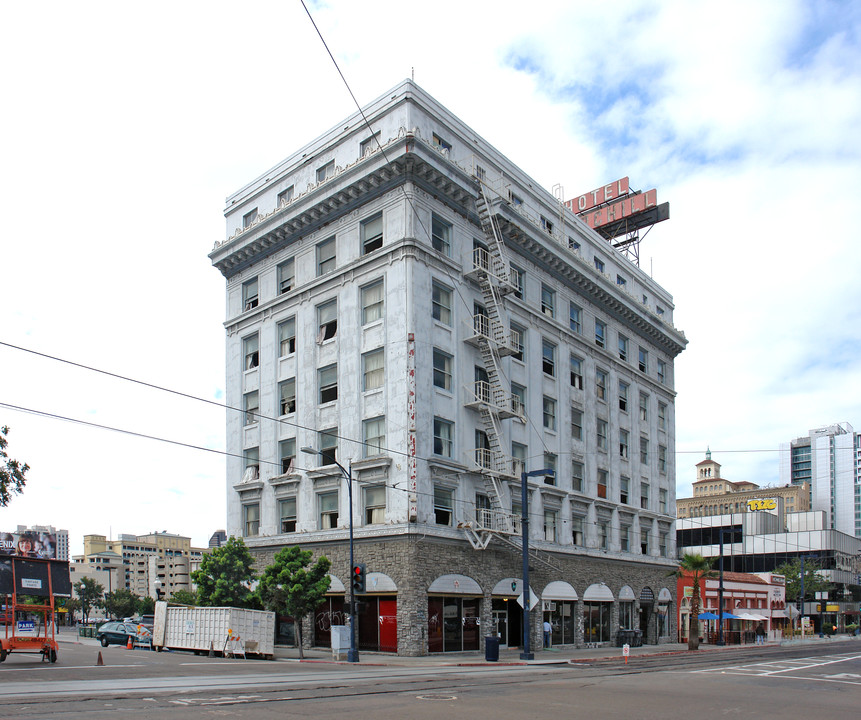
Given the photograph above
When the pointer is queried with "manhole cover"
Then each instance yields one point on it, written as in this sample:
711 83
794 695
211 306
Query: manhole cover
436 697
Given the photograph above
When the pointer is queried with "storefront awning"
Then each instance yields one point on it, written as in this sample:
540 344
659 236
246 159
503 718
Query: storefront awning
559 590
778 614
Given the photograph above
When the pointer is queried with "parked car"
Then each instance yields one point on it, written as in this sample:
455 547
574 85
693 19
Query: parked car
118 633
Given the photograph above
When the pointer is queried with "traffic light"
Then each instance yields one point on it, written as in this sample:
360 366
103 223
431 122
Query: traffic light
358 581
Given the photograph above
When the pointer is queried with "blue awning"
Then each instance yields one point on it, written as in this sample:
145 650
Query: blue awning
730 616
707 616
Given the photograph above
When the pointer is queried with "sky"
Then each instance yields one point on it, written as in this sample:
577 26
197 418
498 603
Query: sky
126 125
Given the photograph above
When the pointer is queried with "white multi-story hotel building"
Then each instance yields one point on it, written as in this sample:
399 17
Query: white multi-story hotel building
829 459
405 300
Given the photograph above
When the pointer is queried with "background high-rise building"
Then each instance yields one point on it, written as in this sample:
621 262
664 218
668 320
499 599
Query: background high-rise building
829 458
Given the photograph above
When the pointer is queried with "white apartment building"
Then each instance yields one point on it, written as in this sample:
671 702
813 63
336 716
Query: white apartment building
405 300
829 459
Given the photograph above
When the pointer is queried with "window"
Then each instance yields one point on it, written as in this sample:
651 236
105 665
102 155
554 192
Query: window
624 489
327 378
285 196
662 459
443 505
550 464
662 500
443 434
518 393
252 407
644 541
548 301
644 451
623 348
287 514
644 495
518 277
483 456
660 311
249 294
372 302
546 225
602 484
372 233
518 452
327 321
328 504
625 538
251 519
643 360
620 281
599 265
662 416
440 143
325 171
623 396
549 413
601 433
286 276
249 218
662 371
441 302
441 235
515 199
250 351
252 463
576 424
375 505
373 370
548 355
577 476
374 432
441 369
326 256
368 146
287 391
576 372
550 525
287 451
644 407
328 440
662 544
602 534
600 384
575 317
577 530
623 444
600 333
287 337
573 244
518 339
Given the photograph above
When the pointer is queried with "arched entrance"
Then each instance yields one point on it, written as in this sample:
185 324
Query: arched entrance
454 611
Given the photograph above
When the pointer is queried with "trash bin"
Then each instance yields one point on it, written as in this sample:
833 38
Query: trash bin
491 648
637 640
625 637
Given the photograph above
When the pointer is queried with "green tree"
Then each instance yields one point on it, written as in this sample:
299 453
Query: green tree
288 587
71 605
813 581
184 597
12 472
225 576
146 606
90 594
695 567
121 603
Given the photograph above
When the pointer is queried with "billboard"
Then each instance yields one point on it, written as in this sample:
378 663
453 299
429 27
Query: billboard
29 544
31 577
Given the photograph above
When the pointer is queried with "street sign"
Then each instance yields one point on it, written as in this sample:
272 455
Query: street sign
626 650
533 600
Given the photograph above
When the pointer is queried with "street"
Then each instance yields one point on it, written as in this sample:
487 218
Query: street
748 682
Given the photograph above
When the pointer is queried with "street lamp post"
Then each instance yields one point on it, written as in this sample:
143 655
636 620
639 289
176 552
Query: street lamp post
353 652
524 527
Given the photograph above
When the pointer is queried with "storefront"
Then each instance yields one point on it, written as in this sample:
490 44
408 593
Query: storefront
507 613
559 602
626 608
454 614
597 613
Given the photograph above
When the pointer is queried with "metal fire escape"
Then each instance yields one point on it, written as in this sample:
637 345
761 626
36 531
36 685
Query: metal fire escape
491 394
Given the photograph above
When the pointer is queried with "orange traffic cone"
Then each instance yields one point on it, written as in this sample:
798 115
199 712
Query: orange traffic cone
129 644
100 662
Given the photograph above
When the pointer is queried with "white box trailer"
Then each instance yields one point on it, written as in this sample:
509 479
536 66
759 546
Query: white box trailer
224 630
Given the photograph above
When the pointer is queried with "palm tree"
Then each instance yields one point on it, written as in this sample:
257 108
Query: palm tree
696 567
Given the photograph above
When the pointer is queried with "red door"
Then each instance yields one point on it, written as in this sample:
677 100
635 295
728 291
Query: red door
388 625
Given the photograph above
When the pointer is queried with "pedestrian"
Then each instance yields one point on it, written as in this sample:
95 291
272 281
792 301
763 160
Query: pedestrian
760 634
548 628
